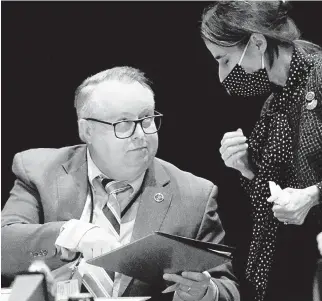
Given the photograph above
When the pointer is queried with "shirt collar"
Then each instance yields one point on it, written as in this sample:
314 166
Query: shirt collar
93 172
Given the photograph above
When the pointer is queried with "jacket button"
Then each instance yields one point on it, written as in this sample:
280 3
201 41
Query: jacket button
44 252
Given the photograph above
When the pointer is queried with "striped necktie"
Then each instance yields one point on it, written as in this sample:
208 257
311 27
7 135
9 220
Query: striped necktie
112 210
100 282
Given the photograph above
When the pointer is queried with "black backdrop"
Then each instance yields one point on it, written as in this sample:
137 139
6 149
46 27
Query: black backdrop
49 48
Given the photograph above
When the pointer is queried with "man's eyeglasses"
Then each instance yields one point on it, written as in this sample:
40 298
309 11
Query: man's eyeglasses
125 128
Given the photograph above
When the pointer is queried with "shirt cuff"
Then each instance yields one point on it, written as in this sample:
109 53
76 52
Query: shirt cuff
212 292
70 235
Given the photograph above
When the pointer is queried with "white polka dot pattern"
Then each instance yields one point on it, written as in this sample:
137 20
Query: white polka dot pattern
239 82
286 147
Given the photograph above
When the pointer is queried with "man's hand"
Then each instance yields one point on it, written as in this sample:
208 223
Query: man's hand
191 286
234 152
95 242
291 205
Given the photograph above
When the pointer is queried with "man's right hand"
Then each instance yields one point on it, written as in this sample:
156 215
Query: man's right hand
234 152
95 242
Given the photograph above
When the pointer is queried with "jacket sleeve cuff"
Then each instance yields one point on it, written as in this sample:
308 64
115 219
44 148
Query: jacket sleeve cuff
247 184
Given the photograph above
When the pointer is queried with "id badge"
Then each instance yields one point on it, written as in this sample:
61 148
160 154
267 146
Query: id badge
66 288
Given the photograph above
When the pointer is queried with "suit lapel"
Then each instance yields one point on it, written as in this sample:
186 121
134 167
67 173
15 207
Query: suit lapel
72 186
155 201
154 204
155 198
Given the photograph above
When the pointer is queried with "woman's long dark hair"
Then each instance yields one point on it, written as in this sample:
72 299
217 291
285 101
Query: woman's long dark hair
231 23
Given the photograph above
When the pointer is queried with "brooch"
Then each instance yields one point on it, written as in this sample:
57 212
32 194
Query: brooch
158 197
311 100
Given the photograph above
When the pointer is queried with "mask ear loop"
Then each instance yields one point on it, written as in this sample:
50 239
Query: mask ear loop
263 66
243 54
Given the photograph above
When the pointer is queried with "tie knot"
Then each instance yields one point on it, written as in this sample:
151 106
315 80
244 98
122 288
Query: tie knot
114 187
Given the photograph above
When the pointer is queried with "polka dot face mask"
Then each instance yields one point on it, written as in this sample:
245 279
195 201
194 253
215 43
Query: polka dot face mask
240 83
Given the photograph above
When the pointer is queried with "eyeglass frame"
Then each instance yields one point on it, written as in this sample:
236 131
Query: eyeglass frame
136 121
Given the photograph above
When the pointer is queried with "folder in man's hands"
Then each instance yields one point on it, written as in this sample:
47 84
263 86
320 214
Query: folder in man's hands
148 258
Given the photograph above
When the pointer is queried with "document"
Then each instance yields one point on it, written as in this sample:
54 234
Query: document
148 258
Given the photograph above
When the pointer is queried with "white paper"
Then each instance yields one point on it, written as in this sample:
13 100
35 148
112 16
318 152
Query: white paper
65 289
274 188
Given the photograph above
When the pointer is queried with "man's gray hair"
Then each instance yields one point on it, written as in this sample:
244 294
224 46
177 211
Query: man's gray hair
125 74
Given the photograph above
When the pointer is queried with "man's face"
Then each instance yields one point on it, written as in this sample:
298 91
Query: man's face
122 159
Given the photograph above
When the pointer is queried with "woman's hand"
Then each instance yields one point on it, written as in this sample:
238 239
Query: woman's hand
319 240
191 286
234 152
291 205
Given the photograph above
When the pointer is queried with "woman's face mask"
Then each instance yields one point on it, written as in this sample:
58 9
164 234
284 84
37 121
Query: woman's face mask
240 83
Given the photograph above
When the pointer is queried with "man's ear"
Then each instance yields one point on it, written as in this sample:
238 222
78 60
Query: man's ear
259 42
85 131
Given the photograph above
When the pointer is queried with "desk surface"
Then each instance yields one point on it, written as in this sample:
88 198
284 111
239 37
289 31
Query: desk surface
5 293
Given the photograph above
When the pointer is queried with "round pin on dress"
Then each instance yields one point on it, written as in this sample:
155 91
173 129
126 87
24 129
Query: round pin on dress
158 197
312 101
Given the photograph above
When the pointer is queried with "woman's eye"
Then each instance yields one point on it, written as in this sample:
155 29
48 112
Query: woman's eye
224 62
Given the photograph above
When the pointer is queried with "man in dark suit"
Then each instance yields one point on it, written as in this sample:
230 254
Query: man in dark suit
58 207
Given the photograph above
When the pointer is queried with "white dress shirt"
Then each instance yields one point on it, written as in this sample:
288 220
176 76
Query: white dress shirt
73 230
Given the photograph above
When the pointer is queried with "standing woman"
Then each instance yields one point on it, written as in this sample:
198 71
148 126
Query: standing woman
259 53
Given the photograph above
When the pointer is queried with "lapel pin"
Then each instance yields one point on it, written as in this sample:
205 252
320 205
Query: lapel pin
311 100
158 197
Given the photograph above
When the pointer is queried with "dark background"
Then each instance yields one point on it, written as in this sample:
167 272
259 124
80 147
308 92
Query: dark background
48 49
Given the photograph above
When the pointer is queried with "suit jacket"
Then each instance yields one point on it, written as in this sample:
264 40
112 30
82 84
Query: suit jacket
51 188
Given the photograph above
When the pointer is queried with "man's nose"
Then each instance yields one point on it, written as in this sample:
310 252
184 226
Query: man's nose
138 133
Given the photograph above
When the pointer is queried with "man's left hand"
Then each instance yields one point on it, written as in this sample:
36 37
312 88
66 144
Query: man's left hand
291 205
192 286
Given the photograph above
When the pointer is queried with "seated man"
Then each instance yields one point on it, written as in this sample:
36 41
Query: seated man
88 199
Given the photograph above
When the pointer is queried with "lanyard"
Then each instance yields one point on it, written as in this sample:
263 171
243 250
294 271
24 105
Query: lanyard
127 207
123 212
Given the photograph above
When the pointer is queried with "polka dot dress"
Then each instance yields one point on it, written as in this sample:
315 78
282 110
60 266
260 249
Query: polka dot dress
285 147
